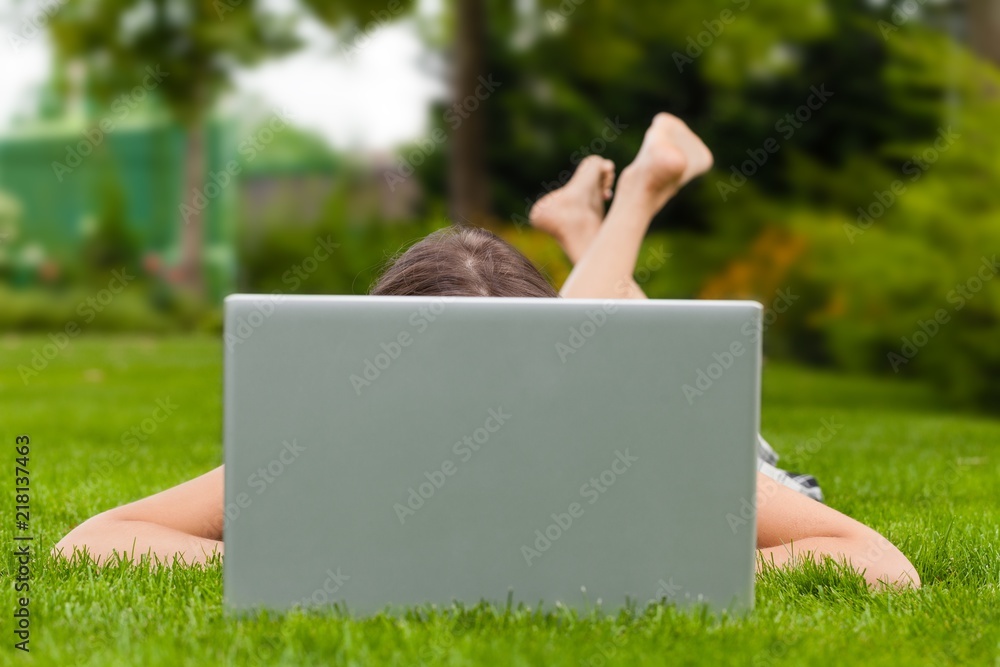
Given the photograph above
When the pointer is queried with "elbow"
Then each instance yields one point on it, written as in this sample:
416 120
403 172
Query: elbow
65 547
72 542
894 573
83 540
882 564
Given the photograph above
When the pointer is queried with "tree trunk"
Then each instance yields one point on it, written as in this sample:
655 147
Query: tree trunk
469 178
983 21
195 203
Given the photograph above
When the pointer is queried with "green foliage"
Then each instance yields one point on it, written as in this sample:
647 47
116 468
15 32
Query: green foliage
181 53
141 308
734 69
112 244
297 259
909 283
365 15
194 43
566 73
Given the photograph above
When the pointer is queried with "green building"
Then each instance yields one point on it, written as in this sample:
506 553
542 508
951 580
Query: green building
63 174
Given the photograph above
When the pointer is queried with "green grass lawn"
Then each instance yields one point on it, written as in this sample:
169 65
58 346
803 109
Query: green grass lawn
925 478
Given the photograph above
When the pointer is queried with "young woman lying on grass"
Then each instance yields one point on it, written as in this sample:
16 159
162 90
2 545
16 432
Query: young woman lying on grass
186 521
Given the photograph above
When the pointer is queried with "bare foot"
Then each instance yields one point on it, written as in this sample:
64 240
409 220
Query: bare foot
573 213
671 155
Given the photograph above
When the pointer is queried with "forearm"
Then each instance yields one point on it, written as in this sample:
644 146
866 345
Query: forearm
877 560
102 538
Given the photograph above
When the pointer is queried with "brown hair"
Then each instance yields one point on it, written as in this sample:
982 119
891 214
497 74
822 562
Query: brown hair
462 261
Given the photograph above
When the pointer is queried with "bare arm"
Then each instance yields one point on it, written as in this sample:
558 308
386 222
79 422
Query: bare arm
184 521
792 527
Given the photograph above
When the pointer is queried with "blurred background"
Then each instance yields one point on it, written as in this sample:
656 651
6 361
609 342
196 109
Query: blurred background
156 155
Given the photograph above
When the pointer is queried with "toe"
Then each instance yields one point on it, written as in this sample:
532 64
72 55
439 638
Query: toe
589 174
607 173
589 167
607 178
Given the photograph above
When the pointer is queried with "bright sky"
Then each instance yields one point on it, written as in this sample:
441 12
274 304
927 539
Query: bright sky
375 100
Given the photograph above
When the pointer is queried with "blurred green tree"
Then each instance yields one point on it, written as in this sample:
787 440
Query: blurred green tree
734 70
461 31
110 244
187 49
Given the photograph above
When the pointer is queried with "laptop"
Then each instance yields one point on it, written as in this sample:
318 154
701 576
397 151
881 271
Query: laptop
387 452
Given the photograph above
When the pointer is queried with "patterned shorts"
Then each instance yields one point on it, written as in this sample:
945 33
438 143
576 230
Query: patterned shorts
767 460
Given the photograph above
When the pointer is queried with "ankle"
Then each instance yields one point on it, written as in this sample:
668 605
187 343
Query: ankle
640 190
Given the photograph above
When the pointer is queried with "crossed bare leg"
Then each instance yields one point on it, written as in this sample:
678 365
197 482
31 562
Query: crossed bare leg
605 255
573 213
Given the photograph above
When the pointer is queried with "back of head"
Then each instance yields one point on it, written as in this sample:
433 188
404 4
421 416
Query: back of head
463 261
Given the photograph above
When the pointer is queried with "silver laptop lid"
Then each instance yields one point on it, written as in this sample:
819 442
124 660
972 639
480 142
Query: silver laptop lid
385 451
